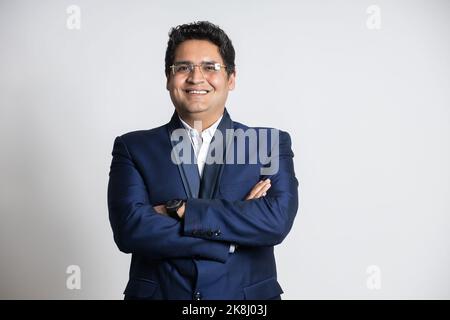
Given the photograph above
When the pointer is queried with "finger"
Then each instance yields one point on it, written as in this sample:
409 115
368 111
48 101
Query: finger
257 191
263 191
257 188
159 209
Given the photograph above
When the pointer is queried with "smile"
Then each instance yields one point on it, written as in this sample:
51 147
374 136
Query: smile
197 92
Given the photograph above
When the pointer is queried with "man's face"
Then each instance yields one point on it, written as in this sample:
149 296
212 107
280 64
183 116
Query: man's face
216 84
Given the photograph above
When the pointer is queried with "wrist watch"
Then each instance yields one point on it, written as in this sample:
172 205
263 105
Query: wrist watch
172 207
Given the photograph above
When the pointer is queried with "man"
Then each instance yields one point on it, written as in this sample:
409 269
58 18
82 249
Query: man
196 228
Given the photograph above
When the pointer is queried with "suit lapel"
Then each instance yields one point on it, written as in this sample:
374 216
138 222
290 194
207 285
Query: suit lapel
188 171
206 187
212 172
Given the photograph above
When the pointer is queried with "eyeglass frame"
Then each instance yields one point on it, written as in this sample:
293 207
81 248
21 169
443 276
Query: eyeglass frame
193 65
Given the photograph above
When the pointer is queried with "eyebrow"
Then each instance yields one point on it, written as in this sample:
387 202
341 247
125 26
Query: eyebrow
189 62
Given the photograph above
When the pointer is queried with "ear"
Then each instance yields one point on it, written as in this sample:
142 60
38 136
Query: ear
232 80
167 81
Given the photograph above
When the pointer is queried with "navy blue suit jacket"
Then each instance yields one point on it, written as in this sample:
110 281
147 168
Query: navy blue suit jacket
190 259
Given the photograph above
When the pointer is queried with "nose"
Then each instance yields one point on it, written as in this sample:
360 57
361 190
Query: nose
196 76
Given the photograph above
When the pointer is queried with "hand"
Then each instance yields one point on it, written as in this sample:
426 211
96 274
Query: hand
180 211
161 209
259 190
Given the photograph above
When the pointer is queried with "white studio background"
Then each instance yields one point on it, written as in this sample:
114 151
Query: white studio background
361 86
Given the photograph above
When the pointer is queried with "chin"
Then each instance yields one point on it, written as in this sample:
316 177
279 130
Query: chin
195 108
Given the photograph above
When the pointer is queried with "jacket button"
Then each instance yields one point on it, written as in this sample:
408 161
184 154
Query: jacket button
217 233
198 296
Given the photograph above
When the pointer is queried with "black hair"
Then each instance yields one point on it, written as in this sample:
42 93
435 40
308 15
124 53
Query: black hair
200 30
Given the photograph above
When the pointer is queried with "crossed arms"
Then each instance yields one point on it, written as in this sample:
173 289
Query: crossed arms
264 218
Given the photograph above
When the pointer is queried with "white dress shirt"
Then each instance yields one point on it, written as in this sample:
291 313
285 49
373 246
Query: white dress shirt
201 141
200 144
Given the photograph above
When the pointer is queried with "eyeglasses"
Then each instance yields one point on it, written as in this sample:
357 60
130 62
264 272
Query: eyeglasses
206 68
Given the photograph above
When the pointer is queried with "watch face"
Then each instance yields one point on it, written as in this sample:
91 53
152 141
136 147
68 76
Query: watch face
172 203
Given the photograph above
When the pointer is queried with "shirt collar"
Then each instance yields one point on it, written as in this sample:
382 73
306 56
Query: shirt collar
206 133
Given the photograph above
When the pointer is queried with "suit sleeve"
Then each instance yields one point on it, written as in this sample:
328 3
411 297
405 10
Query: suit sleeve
258 222
138 228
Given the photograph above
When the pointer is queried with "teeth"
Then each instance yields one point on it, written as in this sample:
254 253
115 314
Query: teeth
198 91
